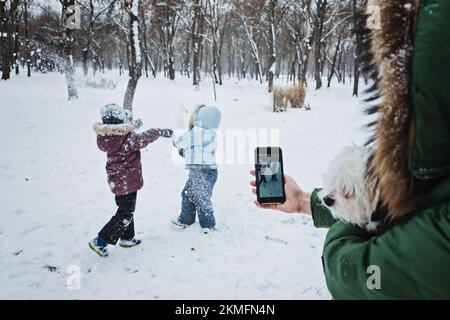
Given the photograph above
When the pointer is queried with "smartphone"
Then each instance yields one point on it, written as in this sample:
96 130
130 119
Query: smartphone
269 175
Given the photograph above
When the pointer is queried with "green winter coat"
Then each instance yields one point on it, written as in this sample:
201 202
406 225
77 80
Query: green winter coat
410 257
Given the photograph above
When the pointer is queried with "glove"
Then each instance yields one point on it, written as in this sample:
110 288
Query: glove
137 124
165 133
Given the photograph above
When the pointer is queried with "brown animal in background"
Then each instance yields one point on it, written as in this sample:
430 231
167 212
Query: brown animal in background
282 97
296 96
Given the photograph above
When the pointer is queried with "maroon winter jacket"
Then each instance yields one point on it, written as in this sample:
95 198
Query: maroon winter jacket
123 146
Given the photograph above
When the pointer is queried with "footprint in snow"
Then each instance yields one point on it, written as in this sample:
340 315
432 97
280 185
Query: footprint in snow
288 221
52 268
277 240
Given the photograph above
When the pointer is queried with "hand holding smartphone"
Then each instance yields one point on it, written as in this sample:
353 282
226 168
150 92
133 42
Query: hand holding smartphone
269 175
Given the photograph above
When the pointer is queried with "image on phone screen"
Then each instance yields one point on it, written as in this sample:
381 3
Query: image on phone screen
269 174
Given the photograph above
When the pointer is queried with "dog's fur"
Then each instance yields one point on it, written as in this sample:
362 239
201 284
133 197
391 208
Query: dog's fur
355 196
293 96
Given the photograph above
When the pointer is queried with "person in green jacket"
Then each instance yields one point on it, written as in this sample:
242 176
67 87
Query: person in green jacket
409 256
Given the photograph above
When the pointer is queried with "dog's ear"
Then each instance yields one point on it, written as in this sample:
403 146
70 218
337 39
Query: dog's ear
380 213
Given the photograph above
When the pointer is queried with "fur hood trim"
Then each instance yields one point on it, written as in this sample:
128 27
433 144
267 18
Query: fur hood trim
386 55
113 129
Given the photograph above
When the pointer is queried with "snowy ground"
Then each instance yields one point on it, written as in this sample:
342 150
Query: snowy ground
54 196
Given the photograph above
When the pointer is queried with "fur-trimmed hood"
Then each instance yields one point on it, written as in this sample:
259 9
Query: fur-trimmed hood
410 148
111 137
108 130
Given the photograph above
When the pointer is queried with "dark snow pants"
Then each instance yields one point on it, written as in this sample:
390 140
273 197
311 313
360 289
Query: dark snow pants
121 226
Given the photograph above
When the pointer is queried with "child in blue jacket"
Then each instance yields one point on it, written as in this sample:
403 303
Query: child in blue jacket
198 147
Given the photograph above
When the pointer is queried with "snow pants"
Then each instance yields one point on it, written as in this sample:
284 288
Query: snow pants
121 225
196 197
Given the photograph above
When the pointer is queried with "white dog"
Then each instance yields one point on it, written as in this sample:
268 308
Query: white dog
347 192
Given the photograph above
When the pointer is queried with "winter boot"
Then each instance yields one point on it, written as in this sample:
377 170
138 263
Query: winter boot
129 243
99 246
177 224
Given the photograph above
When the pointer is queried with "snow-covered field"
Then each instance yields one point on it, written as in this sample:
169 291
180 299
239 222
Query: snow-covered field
54 197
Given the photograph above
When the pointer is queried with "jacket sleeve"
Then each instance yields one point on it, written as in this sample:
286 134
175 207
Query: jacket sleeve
408 261
321 215
139 141
183 141
194 137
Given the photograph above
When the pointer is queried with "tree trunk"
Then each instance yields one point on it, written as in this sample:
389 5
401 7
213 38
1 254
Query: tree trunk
172 70
321 10
339 66
187 60
67 50
7 18
333 66
85 57
129 93
120 62
197 40
305 66
215 55
87 46
272 45
16 43
27 38
3 42
134 50
243 65
146 61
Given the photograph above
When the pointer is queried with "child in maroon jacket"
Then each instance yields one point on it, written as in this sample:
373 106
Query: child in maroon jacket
116 137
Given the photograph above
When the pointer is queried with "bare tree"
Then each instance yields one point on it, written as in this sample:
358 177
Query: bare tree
16 36
217 20
132 8
257 39
8 17
321 7
27 37
250 36
67 47
198 27
145 15
168 15
272 43
356 72
94 9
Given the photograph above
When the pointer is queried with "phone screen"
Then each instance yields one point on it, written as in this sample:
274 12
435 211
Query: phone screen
269 175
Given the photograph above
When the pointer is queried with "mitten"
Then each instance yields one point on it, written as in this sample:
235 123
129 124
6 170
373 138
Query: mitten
137 124
165 133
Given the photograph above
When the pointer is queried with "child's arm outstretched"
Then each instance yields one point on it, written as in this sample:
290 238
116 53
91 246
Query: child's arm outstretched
139 141
184 141
194 137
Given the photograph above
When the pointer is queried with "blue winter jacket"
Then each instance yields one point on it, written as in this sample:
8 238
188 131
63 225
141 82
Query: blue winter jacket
199 143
